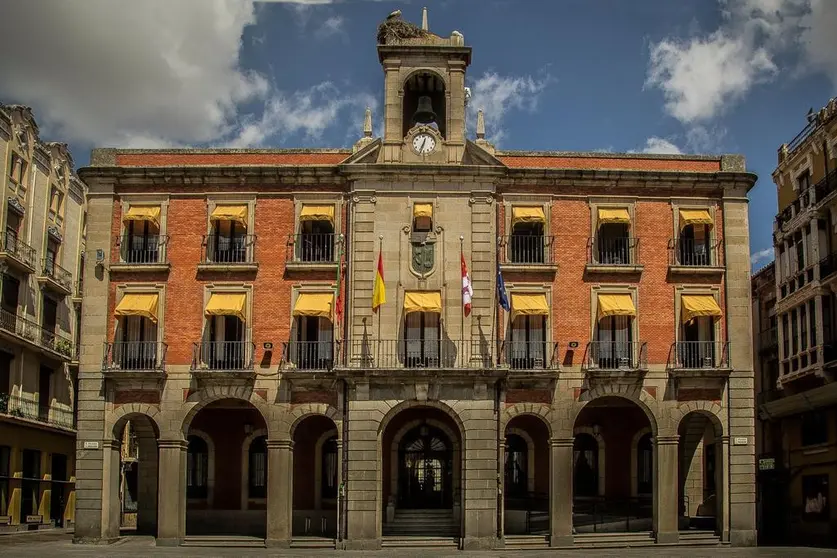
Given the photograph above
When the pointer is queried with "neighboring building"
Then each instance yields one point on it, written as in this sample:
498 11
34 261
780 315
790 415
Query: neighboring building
798 395
615 394
43 214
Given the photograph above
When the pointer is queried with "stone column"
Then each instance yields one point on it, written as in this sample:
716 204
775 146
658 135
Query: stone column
722 487
280 465
666 489
561 492
171 495
338 535
111 476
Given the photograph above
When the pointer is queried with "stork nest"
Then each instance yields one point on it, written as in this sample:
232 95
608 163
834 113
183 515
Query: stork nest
397 30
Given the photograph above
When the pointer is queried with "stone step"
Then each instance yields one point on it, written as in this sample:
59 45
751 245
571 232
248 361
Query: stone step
422 542
312 542
514 542
614 540
223 541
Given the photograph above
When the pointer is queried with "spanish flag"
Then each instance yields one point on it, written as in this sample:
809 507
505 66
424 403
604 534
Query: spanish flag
379 291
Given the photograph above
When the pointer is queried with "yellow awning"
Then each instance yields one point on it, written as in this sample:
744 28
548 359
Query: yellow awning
527 215
237 213
317 213
150 213
423 210
423 301
615 305
695 217
614 215
138 304
227 304
695 306
531 304
314 304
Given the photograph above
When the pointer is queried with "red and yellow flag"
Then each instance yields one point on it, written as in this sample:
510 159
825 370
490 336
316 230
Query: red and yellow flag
379 291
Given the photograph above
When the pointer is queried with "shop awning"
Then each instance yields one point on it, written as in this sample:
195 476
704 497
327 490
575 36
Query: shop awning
149 213
695 306
615 305
695 217
531 304
423 301
138 304
314 304
317 213
614 215
423 210
237 213
527 215
227 304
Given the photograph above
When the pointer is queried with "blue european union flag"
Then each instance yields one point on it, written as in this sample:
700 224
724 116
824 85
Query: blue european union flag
502 298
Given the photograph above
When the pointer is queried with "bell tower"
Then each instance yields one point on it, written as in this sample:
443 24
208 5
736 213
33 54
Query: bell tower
424 95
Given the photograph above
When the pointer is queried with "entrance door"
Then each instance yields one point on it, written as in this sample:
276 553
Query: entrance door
59 474
425 470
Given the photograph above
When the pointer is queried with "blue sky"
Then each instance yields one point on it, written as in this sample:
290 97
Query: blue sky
710 76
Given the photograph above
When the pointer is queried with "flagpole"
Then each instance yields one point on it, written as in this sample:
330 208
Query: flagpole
461 293
378 344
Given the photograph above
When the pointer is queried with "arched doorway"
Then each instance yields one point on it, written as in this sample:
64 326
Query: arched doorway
316 468
526 477
700 478
605 498
226 470
136 491
425 469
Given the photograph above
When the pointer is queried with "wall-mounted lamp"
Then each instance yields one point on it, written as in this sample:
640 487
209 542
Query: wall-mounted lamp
248 428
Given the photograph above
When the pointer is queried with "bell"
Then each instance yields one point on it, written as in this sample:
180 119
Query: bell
424 113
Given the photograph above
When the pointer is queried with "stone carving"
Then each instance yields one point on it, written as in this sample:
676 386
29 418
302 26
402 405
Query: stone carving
55 233
16 206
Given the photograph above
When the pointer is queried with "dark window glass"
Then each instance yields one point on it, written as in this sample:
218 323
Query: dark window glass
329 469
814 428
197 468
257 478
516 466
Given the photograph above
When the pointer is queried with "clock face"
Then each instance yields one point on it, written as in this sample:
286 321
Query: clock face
424 144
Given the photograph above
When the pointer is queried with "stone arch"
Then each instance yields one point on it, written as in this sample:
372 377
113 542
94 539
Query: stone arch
245 465
543 412
601 453
634 456
447 409
427 70
530 455
710 410
635 395
301 412
210 394
121 415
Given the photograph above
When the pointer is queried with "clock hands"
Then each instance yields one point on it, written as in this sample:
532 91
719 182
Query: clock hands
422 144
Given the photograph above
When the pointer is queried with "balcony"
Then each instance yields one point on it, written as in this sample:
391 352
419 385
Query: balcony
607 254
18 328
527 252
27 409
420 357
55 278
796 282
134 359
310 356
699 359
312 251
17 254
810 197
223 359
142 253
768 340
690 257
616 358
530 359
228 253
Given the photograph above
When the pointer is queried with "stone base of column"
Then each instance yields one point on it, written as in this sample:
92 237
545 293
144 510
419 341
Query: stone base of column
95 540
561 541
480 543
668 537
277 543
168 542
739 537
362 544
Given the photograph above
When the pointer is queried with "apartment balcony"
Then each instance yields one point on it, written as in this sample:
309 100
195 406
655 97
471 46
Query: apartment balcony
17 254
690 257
795 283
31 410
699 360
223 360
613 255
142 254
535 364
313 251
55 278
812 197
527 253
29 333
768 341
228 253
804 363
616 359
134 360
310 358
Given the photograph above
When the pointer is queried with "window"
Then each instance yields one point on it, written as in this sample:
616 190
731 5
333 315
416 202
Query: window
329 469
17 172
785 336
315 337
803 181
528 342
257 474
142 242
614 244
516 466
9 300
794 332
44 393
138 350
814 427
709 457
694 245
227 347
316 241
50 258
614 347
799 246
421 339
526 243
803 322
229 242
30 485
815 498
585 466
5 475
197 468
645 465
12 228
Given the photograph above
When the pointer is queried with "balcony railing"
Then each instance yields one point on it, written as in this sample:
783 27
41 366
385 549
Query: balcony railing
700 355
58 274
812 195
223 355
12 244
803 135
415 353
768 339
524 249
617 355
615 251
689 252
15 406
220 249
135 356
530 355
33 332
142 249
314 247
311 355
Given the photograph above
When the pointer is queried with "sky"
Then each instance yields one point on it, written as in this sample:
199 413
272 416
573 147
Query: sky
658 76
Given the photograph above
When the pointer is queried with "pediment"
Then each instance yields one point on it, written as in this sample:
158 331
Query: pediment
365 155
476 155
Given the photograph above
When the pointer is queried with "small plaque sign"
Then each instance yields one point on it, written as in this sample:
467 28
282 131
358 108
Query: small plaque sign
767 463
33 519
740 441
91 445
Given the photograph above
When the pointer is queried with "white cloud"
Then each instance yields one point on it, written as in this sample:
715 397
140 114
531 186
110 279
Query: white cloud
660 146
331 26
761 256
820 38
496 95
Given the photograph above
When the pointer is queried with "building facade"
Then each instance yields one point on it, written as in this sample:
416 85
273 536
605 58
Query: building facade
798 395
233 296
43 214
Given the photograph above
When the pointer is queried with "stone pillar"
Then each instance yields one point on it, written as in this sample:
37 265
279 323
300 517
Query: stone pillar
665 489
363 484
111 469
561 492
479 476
147 486
280 465
171 495
340 492
722 486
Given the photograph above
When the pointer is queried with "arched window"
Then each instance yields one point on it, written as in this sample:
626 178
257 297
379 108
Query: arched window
585 466
516 466
197 467
257 475
329 469
644 465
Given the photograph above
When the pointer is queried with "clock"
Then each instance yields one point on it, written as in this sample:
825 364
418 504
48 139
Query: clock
424 143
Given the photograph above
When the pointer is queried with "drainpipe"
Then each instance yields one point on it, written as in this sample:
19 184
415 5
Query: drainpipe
347 303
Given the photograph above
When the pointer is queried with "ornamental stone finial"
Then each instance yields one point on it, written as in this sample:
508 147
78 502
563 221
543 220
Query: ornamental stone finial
480 124
367 123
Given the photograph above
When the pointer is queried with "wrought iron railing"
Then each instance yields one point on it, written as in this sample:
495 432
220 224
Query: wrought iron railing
617 355
700 355
58 342
220 249
223 355
311 355
689 252
526 249
530 355
803 135
57 273
418 353
612 250
16 406
600 513
135 355
12 244
314 247
142 249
